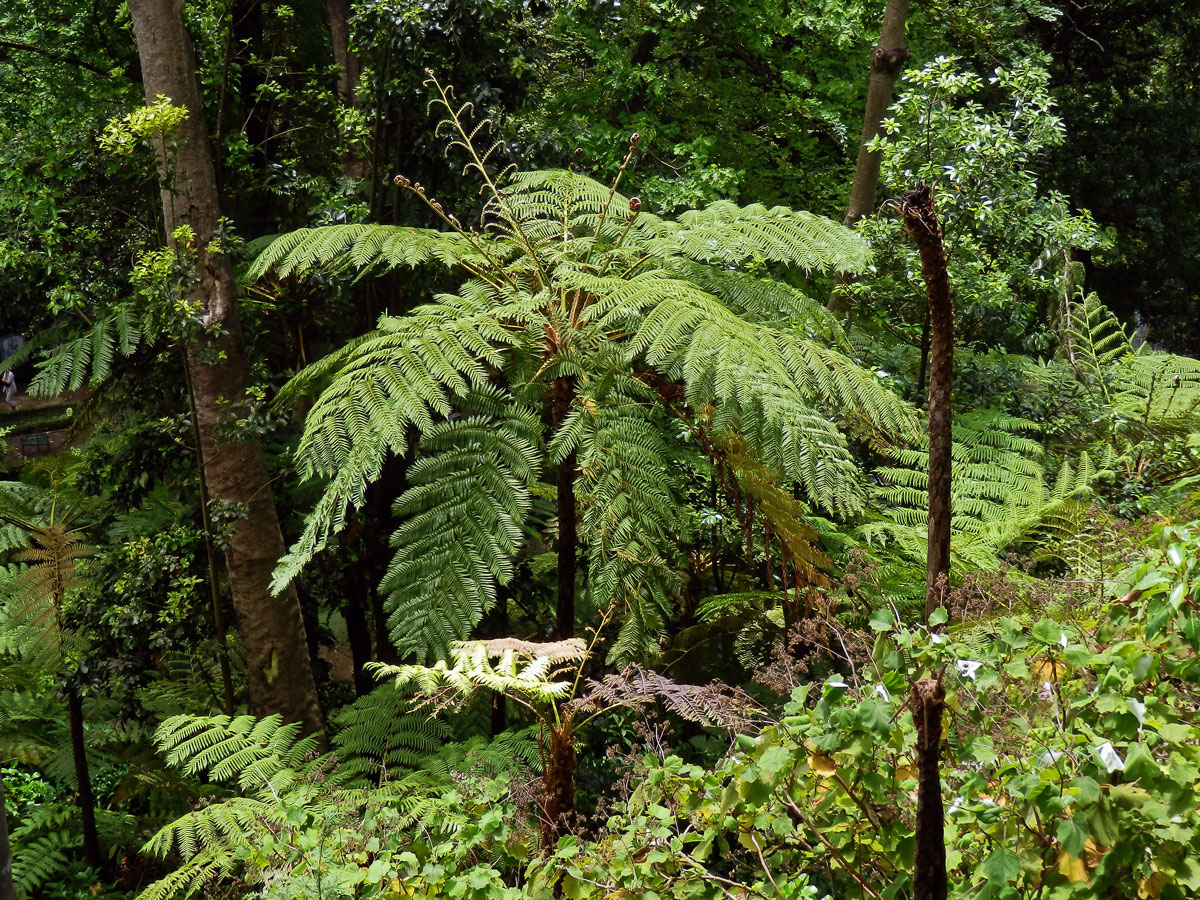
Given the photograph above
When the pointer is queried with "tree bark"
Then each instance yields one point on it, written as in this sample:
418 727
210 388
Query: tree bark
558 785
228 700
6 882
83 782
929 870
349 72
278 672
568 525
886 59
916 208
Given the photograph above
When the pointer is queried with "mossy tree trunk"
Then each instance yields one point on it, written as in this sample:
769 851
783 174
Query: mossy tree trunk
279 676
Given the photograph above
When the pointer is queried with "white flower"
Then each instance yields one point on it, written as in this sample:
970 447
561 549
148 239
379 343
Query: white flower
968 667
1111 759
1050 757
1047 691
1062 640
882 693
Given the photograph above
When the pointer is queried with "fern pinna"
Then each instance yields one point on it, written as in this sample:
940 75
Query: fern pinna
577 302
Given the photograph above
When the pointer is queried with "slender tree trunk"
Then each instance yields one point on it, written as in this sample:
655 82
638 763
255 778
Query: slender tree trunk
917 210
929 870
6 882
83 782
558 786
886 59
923 371
279 676
349 72
568 525
358 635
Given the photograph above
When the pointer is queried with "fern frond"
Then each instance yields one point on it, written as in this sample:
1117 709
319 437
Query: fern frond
729 234
462 523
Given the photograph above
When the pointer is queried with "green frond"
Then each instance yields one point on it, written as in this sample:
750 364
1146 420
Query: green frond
380 732
729 234
89 357
462 521
251 751
369 246
403 377
1091 338
520 670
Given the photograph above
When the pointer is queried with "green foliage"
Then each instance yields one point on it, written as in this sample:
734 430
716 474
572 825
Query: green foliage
1070 767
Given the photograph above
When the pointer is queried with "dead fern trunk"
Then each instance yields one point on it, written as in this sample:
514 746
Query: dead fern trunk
6 882
917 210
929 871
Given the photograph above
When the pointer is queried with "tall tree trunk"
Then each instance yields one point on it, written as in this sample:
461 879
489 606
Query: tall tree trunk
228 700
929 869
886 59
563 392
280 678
83 782
917 210
6 882
349 72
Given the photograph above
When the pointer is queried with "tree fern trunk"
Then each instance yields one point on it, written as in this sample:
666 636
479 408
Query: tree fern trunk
562 393
83 782
558 786
921 223
886 59
929 870
6 882
280 678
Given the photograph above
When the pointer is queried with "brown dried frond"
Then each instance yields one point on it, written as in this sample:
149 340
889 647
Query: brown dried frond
716 705
570 650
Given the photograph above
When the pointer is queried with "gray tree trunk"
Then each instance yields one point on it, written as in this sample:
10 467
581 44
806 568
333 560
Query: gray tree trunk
886 59
278 671
349 72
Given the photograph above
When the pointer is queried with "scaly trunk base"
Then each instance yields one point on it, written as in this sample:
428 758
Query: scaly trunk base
558 787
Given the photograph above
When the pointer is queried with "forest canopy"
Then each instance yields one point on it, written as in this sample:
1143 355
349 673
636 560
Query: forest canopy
507 450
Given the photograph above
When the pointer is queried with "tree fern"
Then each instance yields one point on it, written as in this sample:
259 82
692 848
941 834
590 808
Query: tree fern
568 281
